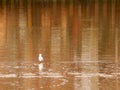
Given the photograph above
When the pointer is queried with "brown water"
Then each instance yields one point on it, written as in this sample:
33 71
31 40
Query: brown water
79 43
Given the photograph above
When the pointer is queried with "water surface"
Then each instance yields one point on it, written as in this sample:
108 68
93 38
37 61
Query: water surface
79 43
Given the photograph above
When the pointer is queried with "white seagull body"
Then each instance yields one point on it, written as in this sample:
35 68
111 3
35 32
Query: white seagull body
40 57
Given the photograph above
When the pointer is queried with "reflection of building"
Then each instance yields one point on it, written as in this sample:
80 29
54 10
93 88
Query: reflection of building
61 32
3 25
22 30
64 34
108 43
89 50
2 34
12 30
55 39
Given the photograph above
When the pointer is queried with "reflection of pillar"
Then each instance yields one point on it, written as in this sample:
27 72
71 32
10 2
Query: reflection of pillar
108 44
55 36
65 39
11 30
29 30
64 33
76 33
115 29
117 20
44 38
45 31
29 17
26 46
3 25
90 53
26 50
2 31
55 40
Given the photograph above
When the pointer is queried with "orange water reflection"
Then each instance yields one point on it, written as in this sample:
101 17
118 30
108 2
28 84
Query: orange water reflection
79 43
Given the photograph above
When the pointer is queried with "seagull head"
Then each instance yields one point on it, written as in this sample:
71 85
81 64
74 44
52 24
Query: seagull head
40 55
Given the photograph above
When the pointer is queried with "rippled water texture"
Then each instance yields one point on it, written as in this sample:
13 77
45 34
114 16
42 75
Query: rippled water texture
79 42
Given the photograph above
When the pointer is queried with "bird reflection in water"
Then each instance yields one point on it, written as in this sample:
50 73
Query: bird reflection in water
40 66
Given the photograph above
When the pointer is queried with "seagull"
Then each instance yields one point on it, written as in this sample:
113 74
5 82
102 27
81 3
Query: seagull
40 58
